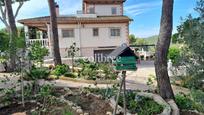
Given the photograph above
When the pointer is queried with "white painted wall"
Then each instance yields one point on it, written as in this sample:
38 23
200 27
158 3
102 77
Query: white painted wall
104 38
103 10
84 35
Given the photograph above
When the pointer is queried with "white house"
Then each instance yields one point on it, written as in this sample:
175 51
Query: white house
99 28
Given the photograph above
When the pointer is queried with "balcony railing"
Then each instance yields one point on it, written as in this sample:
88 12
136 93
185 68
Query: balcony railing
43 42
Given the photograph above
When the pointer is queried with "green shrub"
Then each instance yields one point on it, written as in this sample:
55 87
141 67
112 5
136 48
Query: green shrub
174 54
191 82
186 103
108 71
61 70
71 75
93 71
140 105
37 52
37 73
198 96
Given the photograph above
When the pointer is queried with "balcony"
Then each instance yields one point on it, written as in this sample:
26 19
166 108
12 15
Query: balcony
43 42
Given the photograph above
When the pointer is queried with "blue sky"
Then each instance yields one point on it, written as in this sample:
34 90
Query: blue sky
145 13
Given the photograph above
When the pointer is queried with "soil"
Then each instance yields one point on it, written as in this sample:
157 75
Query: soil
16 108
59 92
188 113
59 109
91 104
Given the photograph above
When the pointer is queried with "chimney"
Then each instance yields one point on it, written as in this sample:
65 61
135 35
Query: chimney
57 9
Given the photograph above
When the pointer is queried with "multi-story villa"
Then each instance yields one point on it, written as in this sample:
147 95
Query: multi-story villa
99 28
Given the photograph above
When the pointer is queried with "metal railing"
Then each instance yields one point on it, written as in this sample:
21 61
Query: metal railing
43 42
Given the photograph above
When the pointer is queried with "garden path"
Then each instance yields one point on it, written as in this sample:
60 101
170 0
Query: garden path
135 80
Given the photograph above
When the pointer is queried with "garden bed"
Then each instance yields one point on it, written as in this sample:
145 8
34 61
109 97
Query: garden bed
91 104
32 108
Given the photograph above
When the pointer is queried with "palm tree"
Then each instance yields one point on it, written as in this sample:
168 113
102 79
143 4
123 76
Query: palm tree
54 33
163 44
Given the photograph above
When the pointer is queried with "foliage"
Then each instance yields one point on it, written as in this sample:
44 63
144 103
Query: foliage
140 105
197 96
152 39
37 52
37 73
4 44
175 38
72 52
191 82
106 93
185 102
4 41
132 39
9 96
71 75
192 54
61 70
89 69
108 71
93 71
141 41
174 54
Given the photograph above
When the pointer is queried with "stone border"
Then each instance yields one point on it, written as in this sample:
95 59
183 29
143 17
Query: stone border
174 107
89 81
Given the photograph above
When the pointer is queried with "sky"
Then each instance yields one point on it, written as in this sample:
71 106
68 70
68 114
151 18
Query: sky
145 13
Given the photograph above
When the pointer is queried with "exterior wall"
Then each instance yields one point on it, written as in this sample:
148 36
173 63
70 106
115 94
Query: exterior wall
103 10
104 38
84 39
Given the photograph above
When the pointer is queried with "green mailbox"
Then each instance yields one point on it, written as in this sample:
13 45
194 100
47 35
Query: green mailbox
124 58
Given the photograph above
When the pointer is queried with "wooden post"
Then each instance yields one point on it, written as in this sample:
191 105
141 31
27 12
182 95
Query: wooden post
122 86
124 92
117 99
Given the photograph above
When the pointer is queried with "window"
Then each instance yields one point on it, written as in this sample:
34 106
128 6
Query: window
95 32
67 33
115 32
114 10
92 10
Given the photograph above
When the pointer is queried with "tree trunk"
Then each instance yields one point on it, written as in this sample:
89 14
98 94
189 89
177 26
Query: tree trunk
163 44
13 35
54 33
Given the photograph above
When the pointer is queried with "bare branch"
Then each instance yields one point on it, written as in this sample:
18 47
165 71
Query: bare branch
18 9
3 12
5 22
3 16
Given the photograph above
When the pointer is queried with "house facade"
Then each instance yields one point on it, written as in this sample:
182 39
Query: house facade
97 30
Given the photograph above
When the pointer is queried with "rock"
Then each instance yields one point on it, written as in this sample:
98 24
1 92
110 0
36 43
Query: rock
74 108
19 113
108 113
88 94
78 107
99 96
66 89
70 103
79 111
86 113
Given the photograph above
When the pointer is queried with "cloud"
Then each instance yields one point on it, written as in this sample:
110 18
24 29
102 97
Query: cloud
141 8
